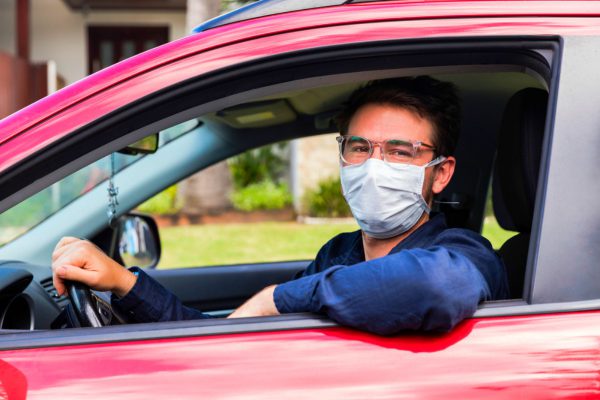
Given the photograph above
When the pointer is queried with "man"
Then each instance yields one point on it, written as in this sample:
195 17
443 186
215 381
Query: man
402 270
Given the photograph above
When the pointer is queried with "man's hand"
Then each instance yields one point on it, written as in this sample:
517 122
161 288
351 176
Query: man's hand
79 260
259 305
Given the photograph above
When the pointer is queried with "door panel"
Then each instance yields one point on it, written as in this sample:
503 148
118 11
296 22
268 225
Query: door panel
484 358
224 287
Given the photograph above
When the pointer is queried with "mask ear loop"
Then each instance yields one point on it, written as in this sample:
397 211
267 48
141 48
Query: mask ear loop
432 163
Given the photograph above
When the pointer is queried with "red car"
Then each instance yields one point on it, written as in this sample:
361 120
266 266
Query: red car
275 70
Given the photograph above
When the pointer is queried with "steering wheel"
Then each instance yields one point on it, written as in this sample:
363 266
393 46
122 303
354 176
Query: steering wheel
88 309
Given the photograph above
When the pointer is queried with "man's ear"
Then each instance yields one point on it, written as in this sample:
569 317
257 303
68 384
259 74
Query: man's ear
442 174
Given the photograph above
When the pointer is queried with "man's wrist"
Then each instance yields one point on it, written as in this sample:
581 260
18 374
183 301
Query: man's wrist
125 282
269 307
259 305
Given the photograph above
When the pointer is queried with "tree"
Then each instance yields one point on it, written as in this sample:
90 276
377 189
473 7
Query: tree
207 191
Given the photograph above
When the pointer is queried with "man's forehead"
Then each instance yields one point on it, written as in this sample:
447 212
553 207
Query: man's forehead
383 121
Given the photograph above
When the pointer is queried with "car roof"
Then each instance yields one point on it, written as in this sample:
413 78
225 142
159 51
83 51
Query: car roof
263 8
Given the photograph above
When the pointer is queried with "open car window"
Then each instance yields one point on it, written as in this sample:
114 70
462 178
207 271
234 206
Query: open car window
467 202
233 132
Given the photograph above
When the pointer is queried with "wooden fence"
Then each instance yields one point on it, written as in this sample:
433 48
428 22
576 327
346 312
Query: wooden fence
21 83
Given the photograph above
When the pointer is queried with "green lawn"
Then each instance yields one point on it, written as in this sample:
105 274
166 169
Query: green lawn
218 244
494 233
215 244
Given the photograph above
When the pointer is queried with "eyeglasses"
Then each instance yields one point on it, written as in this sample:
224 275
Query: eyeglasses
356 149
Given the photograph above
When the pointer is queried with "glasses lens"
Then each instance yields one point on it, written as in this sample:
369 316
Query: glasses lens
398 151
355 149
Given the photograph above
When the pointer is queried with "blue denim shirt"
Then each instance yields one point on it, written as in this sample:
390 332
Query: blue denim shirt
430 281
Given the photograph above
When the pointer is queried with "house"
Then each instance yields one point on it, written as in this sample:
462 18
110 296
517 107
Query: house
74 38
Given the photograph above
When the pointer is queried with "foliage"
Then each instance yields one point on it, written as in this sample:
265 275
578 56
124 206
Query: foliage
163 203
264 195
258 165
327 200
229 5
28 212
41 205
257 176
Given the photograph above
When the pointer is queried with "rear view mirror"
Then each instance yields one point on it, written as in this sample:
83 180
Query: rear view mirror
147 145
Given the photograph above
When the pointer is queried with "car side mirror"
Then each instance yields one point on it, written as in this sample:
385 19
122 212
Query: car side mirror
138 241
147 145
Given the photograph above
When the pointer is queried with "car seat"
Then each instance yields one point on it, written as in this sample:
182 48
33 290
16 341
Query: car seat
515 178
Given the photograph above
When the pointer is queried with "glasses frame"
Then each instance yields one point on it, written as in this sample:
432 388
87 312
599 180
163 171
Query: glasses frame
416 146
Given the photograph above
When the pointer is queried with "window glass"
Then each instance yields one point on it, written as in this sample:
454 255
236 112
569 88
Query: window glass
106 54
27 214
127 49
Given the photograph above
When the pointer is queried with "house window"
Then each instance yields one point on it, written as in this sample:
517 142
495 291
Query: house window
110 44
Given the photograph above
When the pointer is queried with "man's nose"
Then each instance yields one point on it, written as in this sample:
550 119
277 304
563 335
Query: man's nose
377 152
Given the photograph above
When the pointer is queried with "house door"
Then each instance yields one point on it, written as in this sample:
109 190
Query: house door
110 44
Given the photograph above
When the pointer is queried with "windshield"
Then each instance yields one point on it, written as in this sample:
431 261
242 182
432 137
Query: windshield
30 212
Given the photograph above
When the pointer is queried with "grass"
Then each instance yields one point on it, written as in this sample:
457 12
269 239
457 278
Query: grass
220 244
493 232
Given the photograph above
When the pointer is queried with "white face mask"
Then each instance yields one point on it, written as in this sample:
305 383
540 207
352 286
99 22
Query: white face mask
386 199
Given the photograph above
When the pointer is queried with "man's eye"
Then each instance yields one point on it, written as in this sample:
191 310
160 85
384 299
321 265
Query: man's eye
359 149
400 153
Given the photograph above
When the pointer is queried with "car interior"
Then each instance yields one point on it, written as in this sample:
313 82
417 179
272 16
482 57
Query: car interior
503 119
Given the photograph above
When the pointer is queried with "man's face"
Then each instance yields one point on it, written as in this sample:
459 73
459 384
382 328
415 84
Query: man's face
378 122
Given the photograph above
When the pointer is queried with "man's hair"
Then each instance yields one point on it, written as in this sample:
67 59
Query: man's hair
429 98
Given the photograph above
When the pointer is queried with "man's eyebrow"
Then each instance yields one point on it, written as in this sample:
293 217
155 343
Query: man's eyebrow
401 141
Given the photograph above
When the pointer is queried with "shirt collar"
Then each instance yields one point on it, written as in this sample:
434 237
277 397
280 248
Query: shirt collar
355 252
423 234
419 238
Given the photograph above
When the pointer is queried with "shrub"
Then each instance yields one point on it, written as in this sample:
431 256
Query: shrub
258 165
327 200
264 195
163 203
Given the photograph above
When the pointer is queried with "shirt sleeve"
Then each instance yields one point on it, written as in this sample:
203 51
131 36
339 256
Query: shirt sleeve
418 289
149 301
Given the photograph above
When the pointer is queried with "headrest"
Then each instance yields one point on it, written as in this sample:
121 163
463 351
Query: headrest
518 159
